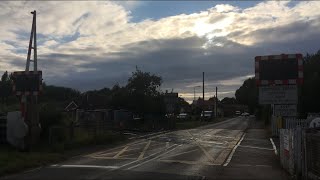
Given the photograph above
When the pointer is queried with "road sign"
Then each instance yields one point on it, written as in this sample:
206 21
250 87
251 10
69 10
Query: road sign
285 110
279 69
27 83
286 94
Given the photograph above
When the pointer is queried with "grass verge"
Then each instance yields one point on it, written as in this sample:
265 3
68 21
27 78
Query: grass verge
14 161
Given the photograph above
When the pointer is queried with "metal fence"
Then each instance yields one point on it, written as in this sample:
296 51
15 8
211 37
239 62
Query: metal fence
300 149
278 123
312 155
291 123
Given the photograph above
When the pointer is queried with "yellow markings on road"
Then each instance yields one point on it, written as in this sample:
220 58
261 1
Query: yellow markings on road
105 157
185 152
167 145
203 150
144 150
121 152
187 162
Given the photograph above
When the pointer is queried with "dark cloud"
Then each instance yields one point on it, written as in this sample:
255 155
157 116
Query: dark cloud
179 61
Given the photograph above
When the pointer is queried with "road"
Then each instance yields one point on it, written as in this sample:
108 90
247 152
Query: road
200 153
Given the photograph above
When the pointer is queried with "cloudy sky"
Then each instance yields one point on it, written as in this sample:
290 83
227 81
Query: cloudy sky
90 45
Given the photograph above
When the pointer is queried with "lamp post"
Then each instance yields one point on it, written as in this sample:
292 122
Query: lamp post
194 92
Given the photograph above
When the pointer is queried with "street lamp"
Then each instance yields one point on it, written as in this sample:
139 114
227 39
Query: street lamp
194 92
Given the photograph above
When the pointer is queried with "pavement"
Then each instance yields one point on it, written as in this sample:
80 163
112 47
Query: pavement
237 148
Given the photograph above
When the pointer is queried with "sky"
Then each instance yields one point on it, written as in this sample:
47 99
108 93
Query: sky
90 45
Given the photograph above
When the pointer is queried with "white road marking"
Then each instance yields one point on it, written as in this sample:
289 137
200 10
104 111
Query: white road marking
187 162
274 146
254 147
185 152
146 157
203 150
233 150
144 150
153 158
122 151
84 166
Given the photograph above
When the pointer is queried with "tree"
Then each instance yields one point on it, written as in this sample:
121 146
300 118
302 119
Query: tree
310 96
144 94
247 94
5 87
228 100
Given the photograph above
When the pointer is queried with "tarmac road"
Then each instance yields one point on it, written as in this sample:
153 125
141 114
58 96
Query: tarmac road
199 153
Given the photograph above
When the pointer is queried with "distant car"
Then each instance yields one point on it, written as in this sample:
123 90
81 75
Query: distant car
182 116
207 114
245 114
238 113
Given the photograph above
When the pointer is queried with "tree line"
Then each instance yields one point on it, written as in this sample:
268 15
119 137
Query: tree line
141 94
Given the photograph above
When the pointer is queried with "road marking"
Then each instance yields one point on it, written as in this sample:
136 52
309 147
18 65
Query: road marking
274 146
105 157
84 166
167 145
156 133
153 158
251 165
144 150
187 162
254 147
233 150
122 151
185 152
211 142
145 158
203 150
222 156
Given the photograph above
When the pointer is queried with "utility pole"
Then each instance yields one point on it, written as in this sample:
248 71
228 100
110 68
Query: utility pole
194 92
215 111
203 86
202 106
29 103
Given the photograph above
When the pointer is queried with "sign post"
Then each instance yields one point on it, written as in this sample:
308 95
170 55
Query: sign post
278 77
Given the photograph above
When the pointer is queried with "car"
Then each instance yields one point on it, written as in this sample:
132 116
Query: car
182 116
238 113
245 114
207 114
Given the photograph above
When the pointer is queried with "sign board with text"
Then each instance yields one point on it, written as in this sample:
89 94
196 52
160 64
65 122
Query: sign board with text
285 94
285 110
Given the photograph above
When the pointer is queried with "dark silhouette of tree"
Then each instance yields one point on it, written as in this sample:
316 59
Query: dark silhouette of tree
247 94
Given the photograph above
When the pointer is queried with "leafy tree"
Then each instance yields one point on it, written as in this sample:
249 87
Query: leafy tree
310 96
228 100
5 87
144 83
143 89
247 94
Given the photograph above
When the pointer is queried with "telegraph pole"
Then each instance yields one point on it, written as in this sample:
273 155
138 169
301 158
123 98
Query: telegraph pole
203 86
215 111
202 105
30 112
